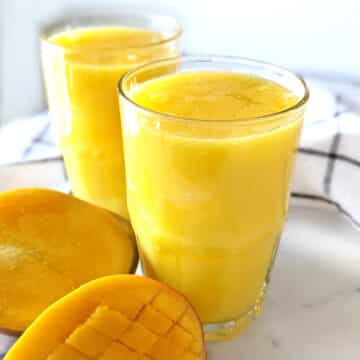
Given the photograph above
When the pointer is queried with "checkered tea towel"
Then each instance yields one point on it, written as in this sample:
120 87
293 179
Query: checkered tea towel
328 165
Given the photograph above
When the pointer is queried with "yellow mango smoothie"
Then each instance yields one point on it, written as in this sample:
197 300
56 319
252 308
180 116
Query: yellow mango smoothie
208 188
82 67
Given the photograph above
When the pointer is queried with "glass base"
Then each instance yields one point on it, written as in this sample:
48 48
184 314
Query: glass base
229 329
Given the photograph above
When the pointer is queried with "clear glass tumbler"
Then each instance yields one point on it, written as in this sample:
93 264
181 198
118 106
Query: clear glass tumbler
83 58
208 198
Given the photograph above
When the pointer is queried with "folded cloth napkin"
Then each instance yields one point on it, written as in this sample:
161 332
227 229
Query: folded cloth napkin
327 171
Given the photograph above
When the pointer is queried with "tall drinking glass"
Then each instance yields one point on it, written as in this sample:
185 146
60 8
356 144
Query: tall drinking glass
83 59
207 182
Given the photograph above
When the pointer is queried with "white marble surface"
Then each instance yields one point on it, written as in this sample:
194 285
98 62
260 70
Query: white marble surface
313 306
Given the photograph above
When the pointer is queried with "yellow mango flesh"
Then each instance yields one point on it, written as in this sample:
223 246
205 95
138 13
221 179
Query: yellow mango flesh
50 244
123 317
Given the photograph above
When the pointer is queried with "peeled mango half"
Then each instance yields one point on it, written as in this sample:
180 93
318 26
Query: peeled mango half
50 244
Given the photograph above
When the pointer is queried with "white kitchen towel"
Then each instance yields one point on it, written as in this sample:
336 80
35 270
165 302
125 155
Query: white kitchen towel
328 165
327 170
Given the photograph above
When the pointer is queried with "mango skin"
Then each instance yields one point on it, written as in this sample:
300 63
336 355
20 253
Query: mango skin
50 244
144 319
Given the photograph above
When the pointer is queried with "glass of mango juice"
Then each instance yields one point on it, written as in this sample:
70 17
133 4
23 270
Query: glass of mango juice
83 59
209 146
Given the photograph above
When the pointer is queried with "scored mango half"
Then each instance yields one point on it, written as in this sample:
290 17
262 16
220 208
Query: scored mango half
50 244
120 317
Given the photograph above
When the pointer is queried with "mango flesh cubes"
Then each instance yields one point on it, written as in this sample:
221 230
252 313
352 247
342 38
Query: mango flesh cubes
123 317
50 244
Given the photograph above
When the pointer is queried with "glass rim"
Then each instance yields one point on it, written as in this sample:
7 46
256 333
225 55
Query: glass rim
46 33
215 59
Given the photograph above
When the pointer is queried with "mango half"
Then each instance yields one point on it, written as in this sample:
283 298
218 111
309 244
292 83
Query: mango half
50 244
123 317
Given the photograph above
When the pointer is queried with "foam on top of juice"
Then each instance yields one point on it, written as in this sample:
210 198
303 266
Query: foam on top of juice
109 46
112 37
213 95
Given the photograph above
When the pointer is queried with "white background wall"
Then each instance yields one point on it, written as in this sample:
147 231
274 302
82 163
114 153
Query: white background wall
320 35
